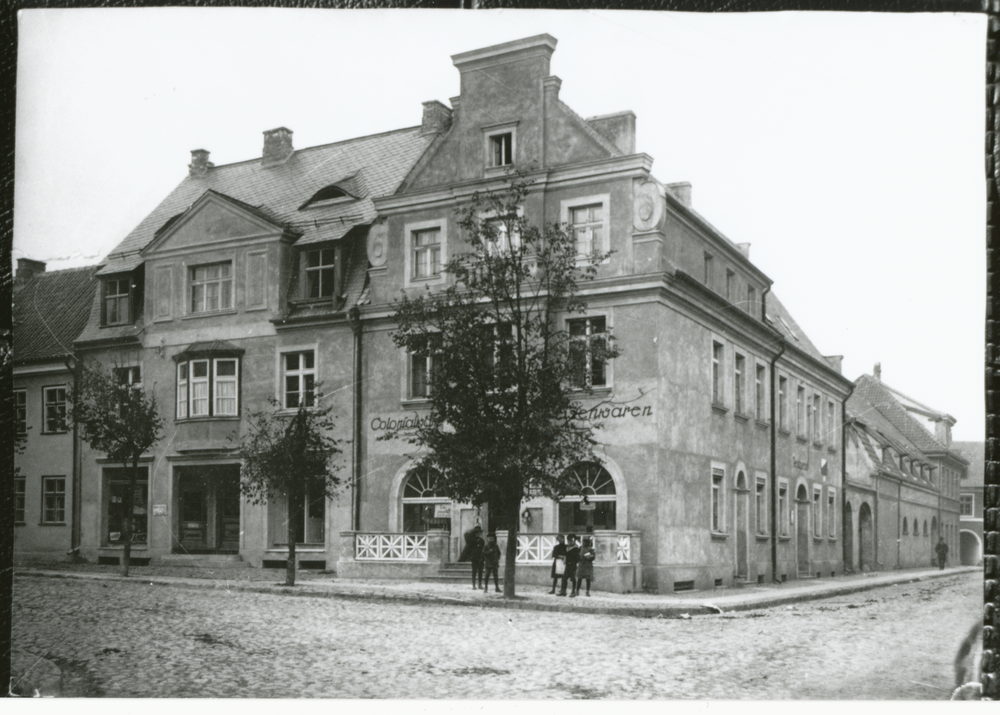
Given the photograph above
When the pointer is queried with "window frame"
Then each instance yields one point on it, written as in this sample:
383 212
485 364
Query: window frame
61 428
21 411
419 252
113 477
760 392
783 403
783 507
411 362
717 501
760 504
817 434
708 270
320 269
800 411
301 373
566 208
718 367
739 382
831 512
966 504
751 300
193 282
817 512
59 495
20 499
409 232
490 134
119 298
831 418
587 340
184 388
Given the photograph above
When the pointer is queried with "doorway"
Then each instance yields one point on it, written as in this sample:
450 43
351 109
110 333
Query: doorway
208 509
848 538
802 530
866 536
742 527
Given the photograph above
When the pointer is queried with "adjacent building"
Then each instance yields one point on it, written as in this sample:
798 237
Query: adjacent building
970 536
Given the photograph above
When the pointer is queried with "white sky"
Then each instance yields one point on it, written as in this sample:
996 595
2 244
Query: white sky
847 148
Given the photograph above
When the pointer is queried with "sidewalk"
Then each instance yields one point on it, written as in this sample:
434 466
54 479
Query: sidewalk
535 598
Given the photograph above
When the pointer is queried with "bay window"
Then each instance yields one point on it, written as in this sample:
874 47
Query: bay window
207 387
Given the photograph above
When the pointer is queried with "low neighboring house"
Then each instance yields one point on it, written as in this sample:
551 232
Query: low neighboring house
902 480
49 311
971 503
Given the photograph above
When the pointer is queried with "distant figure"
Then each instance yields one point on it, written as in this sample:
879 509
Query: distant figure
491 558
942 552
474 545
558 561
572 559
585 569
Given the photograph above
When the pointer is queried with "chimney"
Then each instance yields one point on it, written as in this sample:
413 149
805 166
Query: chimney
27 268
682 190
744 249
551 86
942 428
835 362
619 129
878 371
436 120
200 164
277 146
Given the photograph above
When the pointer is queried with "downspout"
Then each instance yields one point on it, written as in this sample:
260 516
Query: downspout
843 484
899 517
355 319
878 504
75 367
774 465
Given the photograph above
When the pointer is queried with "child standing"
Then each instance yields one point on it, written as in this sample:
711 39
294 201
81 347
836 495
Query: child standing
558 561
491 560
585 569
572 559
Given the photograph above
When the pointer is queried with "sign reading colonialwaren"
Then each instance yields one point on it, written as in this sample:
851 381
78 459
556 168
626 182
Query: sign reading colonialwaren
410 422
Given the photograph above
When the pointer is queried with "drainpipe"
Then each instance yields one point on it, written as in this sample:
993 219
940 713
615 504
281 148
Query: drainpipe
75 367
843 483
355 318
899 517
774 464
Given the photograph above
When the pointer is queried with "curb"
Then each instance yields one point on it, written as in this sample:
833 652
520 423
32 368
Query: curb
427 599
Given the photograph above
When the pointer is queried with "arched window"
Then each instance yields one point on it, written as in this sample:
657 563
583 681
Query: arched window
905 528
933 526
593 506
424 502
925 527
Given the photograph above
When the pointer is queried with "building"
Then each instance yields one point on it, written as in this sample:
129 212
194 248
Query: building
970 536
902 481
49 311
721 457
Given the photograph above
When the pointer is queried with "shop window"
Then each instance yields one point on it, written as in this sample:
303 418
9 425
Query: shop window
53 500
761 506
718 500
117 292
425 504
21 411
211 287
298 379
593 506
320 273
588 346
117 511
19 492
208 387
54 404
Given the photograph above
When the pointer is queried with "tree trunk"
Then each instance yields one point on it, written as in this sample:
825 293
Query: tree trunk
294 514
513 510
129 506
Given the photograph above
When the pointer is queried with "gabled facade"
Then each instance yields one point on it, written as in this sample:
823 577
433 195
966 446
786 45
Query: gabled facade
720 461
902 482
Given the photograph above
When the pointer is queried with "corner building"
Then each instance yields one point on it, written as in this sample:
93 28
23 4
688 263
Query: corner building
720 459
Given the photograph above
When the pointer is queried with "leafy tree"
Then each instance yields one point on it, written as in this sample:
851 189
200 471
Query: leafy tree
121 420
289 455
503 423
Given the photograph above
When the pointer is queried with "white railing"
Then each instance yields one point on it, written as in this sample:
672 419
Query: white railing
535 548
623 549
391 547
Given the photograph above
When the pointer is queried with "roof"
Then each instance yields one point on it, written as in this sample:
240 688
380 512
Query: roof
780 319
278 192
873 441
49 311
870 394
975 453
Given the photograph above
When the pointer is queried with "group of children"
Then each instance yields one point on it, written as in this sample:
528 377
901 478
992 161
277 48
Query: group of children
571 562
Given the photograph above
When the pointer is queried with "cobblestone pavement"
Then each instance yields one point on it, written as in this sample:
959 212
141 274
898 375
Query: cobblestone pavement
133 639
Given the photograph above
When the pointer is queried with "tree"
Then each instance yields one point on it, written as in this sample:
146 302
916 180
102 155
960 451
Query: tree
289 455
503 423
120 419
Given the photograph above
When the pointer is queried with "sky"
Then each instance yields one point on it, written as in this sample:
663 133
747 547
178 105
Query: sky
846 148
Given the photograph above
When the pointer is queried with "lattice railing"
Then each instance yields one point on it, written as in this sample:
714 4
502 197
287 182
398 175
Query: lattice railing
535 548
391 547
623 549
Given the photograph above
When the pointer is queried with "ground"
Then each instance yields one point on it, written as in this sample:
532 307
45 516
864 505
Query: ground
133 639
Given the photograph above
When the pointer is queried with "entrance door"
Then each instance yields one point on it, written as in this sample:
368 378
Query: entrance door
802 530
228 500
208 509
742 526
194 516
848 538
866 537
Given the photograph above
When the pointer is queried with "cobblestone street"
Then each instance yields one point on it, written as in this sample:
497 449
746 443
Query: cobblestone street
140 640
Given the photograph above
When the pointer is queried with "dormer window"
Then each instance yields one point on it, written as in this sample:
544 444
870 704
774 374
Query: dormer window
320 273
211 287
117 297
330 193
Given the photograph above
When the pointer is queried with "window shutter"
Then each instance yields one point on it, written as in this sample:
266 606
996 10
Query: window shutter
164 291
256 280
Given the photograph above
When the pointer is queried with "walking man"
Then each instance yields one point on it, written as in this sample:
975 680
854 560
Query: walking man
942 552
475 546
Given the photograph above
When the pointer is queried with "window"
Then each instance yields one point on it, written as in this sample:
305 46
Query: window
800 406
131 375
717 373
21 411
211 287
817 516
163 291
831 423
426 246
299 379
497 236
730 284
783 403
53 500
783 508
54 402
320 273
19 484
810 418
420 377
738 372
501 149
718 518
587 348
761 506
208 387
422 493
816 417
831 511
311 526
594 504
759 409
116 301
966 505
587 223
751 300
117 510
906 529
708 270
